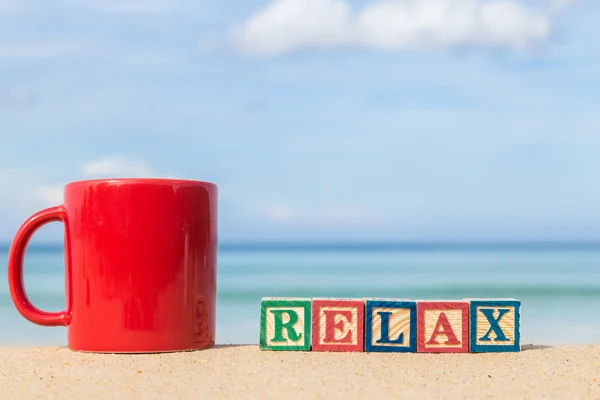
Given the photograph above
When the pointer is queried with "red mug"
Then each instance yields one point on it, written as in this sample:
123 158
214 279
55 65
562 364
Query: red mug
140 265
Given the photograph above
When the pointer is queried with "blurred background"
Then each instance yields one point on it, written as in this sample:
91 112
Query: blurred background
364 148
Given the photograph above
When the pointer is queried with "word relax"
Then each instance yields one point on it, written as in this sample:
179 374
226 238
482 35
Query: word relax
390 325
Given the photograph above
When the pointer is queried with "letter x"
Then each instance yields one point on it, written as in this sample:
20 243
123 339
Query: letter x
494 324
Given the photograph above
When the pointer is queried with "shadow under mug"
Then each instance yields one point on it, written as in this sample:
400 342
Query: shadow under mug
140 265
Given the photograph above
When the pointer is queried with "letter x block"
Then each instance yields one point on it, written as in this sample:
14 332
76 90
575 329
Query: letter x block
443 326
285 323
495 325
390 325
338 324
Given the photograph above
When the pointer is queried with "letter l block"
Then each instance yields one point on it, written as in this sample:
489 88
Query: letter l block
390 325
285 323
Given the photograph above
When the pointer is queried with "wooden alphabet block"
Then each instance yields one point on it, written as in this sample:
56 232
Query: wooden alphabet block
390 325
494 325
338 324
285 323
442 326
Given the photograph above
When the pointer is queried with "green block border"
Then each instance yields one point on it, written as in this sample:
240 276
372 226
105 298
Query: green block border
306 304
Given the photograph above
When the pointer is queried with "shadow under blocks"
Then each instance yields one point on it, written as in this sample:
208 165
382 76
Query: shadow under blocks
483 325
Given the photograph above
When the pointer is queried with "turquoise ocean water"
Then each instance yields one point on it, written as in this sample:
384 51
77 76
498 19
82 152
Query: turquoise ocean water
559 287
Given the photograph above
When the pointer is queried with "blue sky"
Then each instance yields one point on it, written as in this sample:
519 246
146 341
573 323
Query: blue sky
318 119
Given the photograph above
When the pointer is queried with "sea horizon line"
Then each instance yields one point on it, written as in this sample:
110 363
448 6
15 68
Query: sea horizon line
365 245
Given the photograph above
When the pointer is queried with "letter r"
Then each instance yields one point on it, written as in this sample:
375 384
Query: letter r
279 326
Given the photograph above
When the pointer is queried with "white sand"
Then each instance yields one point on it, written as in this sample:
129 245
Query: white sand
246 372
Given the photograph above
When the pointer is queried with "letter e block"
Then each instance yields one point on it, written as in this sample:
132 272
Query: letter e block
338 324
285 323
442 326
494 325
390 325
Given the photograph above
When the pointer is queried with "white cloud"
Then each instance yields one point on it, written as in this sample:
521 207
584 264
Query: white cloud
289 25
280 213
117 166
50 194
326 215
564 3
111 166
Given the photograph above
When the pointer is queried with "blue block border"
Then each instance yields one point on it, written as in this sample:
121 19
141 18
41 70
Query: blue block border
411 305
479 348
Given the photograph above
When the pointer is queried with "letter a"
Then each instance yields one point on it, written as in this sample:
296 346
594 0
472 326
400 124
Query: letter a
442 327
330 326
494 325
288 326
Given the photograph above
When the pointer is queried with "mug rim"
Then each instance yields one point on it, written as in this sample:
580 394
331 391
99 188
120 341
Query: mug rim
147 180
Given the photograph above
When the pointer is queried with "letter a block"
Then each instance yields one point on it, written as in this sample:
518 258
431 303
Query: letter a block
338 324
443 326
390 325
285 323
495 325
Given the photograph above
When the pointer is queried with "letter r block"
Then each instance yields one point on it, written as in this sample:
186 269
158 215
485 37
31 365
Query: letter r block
443 326
285 323
390 325
338 324
494 325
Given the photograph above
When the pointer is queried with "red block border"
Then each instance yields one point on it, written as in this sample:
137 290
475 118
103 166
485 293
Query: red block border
447 305
360 325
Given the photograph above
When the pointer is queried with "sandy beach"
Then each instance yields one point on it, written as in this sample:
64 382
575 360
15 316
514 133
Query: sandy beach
246 372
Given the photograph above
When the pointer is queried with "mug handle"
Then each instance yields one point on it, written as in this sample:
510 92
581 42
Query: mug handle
15 269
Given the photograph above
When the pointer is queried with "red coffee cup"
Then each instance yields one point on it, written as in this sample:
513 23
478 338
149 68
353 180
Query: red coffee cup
140 259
